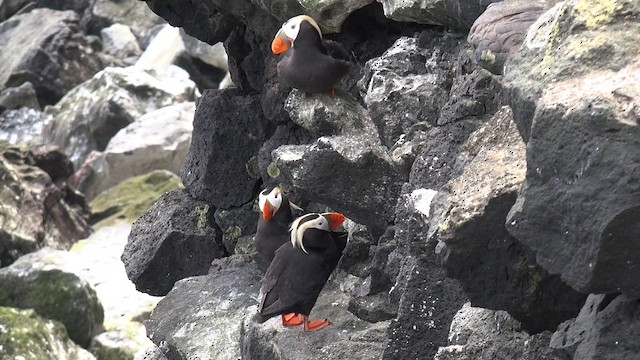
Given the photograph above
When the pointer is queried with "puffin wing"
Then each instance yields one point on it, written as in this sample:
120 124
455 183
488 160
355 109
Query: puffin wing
336 51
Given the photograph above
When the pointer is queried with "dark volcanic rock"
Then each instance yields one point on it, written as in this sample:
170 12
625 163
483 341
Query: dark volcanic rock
578 109
481 334
36 211
247 54
171 241
204 317
351 174
458 14
228 130
237 222
49 50
606 328
495 270
285 134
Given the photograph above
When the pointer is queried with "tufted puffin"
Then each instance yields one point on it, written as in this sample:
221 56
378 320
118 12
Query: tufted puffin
301 267
309 63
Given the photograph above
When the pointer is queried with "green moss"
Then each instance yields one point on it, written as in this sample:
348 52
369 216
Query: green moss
233 232
528 280
595 12
201 214
128 200
273 170
253 169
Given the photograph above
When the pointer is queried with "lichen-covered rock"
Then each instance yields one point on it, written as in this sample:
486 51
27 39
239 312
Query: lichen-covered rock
575 95
41 282
501 29
171 241
92 113
25 335
221 166
352 174
49 50
481 334
130 199
458 14
236 223
203 317
35 211
606 328
494 269
285 134
328 115
159 140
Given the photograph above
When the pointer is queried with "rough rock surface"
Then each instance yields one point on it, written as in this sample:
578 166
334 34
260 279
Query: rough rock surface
203 316
42 339
35 210
481 334
171 241
159 140
501 29
49 50
458 14
577 109
495 270
23 125
237 222
130 199
23 95
221 167
283 135
360 182
40 281
131 13
119 41
89 115
606 328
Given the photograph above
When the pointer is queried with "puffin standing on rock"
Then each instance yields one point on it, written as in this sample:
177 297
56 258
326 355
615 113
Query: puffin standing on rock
301 268
273 231
310 64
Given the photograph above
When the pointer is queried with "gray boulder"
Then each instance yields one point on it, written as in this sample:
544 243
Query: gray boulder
41 282
481 334
49 50
159 140
221 166
9 8
606 328
134 14
576 107
37 211
171 241
204 317
352 174
119 41
23 126
24 332
495 270
92 113
213 55
458 14
23 95
285 134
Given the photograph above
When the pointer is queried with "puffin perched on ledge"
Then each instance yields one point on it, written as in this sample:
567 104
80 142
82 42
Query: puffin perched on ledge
301 268
310 64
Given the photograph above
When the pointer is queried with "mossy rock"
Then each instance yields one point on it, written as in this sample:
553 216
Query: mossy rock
25 335
128 200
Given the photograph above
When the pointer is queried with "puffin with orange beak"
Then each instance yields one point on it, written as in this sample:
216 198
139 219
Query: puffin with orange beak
273 232
310 63
301 268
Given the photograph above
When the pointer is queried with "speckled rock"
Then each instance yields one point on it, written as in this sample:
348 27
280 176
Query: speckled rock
23 125
236 223
458 14
92 113
171 241
25 335
41 282
481 334
577 107
159 140
23 95
606 328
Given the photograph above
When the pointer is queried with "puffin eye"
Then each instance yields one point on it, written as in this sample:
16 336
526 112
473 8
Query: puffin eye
293 26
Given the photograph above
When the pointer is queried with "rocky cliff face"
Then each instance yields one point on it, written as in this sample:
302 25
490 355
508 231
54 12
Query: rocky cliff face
488 164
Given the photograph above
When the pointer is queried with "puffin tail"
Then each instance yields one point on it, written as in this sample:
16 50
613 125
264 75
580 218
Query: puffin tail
259 318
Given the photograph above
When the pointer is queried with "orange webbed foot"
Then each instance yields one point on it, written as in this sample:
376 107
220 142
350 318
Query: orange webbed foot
314 325
291 319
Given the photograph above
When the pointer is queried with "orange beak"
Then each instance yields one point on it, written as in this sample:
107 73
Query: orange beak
280 43
335 220
267 211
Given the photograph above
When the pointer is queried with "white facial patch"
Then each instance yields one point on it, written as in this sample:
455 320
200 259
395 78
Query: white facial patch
291 28
274 197
297 229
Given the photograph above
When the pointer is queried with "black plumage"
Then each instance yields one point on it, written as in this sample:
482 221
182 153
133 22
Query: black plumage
273 233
